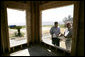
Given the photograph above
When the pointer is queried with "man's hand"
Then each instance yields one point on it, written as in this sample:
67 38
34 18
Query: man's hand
57 35
65 36
61 34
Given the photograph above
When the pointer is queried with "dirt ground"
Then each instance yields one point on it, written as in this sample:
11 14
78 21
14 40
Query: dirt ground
46 37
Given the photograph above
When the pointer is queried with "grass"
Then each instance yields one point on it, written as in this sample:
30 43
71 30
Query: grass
13 31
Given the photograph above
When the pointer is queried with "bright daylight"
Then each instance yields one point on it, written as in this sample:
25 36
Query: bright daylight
17 26
61 15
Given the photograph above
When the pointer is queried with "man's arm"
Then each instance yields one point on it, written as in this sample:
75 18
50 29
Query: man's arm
58 32
51 31
69 35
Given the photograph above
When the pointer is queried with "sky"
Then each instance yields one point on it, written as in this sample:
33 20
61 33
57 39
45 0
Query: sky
17 17
57 14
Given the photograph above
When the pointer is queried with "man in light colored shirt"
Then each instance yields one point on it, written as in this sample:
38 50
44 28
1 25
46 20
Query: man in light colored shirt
68 36
55 31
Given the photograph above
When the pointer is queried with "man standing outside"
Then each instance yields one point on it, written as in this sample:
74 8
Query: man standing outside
55 31
68 36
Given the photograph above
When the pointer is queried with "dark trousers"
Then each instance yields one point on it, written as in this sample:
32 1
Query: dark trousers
56 41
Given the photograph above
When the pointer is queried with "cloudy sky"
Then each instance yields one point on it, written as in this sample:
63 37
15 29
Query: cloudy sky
57 14
17 17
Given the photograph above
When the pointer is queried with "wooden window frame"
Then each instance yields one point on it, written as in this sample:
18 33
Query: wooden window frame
19 6
56 4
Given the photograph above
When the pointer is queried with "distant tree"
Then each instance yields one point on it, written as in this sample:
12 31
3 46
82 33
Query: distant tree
18 29
68 19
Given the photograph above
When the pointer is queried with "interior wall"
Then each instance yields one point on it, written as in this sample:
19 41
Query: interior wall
53 4
78 47
35 22
80 40
75 28
4 31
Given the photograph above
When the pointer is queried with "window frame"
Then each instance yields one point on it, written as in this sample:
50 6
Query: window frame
54 4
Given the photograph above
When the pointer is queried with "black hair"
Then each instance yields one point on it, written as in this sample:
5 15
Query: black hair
56 23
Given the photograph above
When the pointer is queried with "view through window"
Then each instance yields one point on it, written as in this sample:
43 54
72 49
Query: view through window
60 14
17 26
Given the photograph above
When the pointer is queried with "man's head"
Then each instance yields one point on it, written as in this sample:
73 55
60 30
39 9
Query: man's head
56 24
68 25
